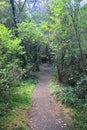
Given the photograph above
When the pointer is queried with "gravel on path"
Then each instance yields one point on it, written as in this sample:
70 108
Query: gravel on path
44 114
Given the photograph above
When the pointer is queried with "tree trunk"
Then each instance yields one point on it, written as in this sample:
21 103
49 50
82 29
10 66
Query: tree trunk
37 67
36 58
79 44
62 58
58 73
74 15
14 12
48 53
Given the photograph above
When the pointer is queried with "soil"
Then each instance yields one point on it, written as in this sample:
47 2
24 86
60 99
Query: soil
45 114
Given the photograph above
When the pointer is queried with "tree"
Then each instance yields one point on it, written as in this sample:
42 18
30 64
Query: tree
10 63
17 7
74 11
67 44
32 40
14 12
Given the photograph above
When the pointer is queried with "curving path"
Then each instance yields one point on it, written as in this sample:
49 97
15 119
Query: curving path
44 114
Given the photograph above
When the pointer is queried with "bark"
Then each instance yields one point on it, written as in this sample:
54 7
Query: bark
62 58
36 58
14 12
58 73
37 67
48 53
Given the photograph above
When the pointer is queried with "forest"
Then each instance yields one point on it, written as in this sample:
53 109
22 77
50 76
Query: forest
34 32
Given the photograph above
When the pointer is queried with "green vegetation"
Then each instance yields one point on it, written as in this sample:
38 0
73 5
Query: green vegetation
16 113
36 32
70 65
72 97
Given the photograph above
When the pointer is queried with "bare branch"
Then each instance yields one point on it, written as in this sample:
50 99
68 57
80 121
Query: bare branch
23 5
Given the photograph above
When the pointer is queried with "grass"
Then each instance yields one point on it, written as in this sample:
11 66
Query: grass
57 92
19 103
72 107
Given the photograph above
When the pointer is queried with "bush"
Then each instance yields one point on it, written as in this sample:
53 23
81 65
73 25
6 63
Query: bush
76 98
79 120
10 64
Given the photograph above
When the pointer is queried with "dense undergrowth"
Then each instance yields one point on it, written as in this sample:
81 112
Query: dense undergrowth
57 33
15 68
75 98
14 112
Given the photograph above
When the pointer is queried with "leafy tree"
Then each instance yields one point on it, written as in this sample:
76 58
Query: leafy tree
54 30
32 40
10 63
5 13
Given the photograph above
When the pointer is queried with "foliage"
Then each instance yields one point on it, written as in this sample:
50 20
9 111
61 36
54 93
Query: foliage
32 40
10 64
69 48
68 39
75 98
5 13
19 103
57 32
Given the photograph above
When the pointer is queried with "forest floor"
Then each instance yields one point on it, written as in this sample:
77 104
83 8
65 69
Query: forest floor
45 113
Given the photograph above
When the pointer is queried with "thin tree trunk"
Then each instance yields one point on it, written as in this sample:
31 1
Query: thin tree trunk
62 58
74 15
79 44
48 53
58 73
75 24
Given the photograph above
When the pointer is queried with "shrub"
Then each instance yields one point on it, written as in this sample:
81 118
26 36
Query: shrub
10 63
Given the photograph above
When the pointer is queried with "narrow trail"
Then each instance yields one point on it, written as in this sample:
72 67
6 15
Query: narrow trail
44 114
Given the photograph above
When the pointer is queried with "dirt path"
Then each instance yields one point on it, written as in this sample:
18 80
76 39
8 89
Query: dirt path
44 113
